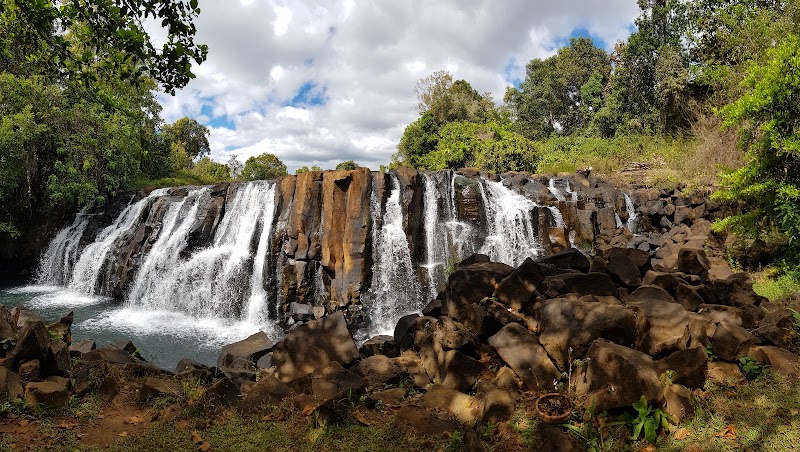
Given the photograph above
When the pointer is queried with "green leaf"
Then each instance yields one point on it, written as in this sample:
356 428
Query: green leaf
650 427
637 430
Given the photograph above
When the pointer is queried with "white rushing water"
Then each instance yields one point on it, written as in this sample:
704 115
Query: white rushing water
395 289
631 224
551 185
511 232
55 266
217 281
94 258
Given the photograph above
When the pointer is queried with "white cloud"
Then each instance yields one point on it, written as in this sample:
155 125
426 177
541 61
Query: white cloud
363 59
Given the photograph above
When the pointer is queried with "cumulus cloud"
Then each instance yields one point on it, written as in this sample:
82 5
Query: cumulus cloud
319 82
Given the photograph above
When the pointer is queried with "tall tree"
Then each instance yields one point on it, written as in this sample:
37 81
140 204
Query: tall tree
264 166
188 136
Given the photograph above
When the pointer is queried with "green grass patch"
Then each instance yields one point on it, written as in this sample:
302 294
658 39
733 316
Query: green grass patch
776 286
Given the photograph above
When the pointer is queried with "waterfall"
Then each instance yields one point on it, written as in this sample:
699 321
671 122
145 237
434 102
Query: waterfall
631 224
511 232
551 185
436 252
221 280
94 258
55 266
557 217
395 289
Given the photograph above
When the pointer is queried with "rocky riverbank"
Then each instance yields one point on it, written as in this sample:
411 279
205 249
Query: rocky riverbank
629 323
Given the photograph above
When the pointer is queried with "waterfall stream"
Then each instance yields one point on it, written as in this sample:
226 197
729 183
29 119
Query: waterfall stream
511 233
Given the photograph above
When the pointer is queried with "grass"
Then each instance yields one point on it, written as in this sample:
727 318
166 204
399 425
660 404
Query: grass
694 161
776 286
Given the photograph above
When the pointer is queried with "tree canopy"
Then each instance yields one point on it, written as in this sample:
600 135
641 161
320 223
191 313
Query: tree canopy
264 166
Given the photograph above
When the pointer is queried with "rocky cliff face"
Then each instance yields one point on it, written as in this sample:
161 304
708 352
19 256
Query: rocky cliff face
321 237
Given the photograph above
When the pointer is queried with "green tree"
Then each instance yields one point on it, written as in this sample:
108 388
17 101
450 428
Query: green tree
305 169
769 184
115 42
234 166
188 136
264 166
347 165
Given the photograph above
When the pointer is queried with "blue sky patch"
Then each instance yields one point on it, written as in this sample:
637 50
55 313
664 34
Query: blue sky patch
581 33
215 121
309 94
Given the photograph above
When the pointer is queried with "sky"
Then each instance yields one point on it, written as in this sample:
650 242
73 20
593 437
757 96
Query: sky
319 82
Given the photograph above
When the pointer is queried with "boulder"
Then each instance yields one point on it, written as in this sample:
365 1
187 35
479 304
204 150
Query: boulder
478 320
379 345
32 341
390 397
467 409
404 326
81 348
451 368
10 386
379 370
222 392
265 362
726 374
30 370
332 379
498 406
251 349
410 363
566 324
687 297
268 390
569 259
661 326
314 344
693 261
517 289
651 293
690 367
152 387
522 352
779 360
56 359
617 376
663 280
471 284
590 284
731 342
108 354
622 268
679 402
421 421
779 327
52 393
62 330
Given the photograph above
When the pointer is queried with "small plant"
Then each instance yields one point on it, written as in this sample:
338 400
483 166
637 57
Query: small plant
710 353
666 378
752 369
648 420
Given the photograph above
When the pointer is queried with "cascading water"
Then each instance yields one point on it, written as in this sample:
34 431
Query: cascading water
395 290
55 266
551 185
217 281
94 258
511 232
557 217
631 224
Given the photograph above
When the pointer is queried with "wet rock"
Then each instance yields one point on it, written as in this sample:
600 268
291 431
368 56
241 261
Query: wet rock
690 367
661 326
566 324
617 376
517 289
251 349
520 350
465 408
731 342
471 284
314 344
405 327
52 393
433 309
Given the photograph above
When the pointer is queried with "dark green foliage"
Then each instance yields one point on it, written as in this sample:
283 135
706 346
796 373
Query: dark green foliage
347 165
264 166
751 368
648 420
769 114
305 169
